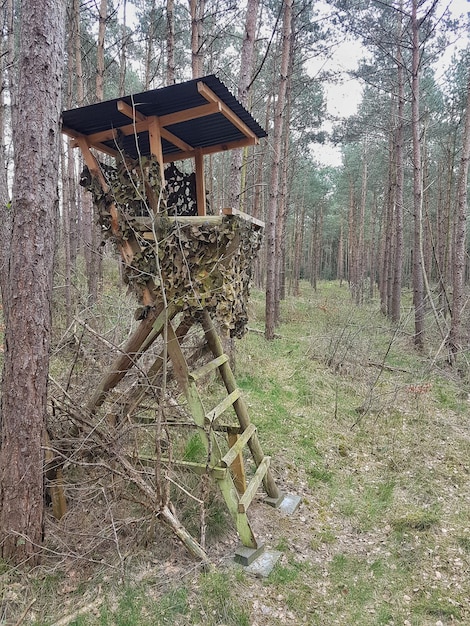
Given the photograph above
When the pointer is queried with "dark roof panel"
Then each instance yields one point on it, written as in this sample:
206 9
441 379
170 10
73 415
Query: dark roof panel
201 132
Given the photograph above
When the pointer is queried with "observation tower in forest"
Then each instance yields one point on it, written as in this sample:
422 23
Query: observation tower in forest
190 273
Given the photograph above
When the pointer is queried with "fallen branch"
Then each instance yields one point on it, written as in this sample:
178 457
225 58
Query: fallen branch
25 612
261 332
68 619
388 368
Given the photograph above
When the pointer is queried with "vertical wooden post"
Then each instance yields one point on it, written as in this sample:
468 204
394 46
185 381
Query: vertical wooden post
55 478
200 182
155 139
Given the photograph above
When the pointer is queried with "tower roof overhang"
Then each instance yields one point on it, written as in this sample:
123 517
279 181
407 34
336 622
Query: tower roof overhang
198 116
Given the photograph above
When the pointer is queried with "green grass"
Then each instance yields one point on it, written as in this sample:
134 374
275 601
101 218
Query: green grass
373 438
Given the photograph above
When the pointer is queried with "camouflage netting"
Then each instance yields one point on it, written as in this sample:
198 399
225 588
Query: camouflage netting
198 263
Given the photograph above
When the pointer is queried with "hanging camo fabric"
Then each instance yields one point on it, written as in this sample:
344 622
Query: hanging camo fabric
199 263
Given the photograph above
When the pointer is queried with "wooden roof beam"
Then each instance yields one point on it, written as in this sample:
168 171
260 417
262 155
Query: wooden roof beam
130 111
191 114
221 147
210 96
76 137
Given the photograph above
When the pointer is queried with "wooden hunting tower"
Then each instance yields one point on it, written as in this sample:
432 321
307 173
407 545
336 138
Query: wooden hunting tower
185 267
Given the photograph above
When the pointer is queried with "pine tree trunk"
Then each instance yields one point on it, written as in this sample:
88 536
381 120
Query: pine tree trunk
170 42
459 256
395 311
196 9
36 135
272 213
244 80
418 282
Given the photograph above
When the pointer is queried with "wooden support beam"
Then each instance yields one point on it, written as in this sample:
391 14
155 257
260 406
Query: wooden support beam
210 96
245 216
137 394
125 248
155 139
190 114
234 457
176 141
200 182
55 480
96 139
74 135
132 351
130 111
221 147
239 405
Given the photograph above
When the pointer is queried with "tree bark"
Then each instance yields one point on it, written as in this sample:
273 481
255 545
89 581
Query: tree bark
196 9
459 256
418 282
170 42
36 135
272 213
244 80
399 182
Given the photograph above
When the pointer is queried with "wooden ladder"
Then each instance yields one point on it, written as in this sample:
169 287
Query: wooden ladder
227 469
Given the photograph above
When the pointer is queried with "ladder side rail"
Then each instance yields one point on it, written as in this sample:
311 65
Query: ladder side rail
239 405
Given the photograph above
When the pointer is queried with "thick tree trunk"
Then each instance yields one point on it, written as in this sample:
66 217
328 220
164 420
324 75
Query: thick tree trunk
459 257
170 42
196 9
418 282
244 80
123 52
395 311
36 136
272 216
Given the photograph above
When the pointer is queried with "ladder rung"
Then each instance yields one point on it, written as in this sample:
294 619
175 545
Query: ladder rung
209 367
255 482
218 473
223 406
235 450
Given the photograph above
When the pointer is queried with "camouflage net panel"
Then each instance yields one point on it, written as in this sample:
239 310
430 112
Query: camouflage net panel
198 265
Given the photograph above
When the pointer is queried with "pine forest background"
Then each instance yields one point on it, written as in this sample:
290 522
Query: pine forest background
387 221
390 215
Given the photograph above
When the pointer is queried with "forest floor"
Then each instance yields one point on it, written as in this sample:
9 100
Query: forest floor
372 436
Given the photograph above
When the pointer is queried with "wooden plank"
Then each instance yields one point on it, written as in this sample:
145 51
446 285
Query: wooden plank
223 406
112 133
244 216
255 482
176 141
200 182
240 407
130 111
236 448
155 140
208 368
147 224
219 473
221 147
210 96
190 114
237 466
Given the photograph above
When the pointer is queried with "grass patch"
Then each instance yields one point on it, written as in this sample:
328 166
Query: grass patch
414 520
366 430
